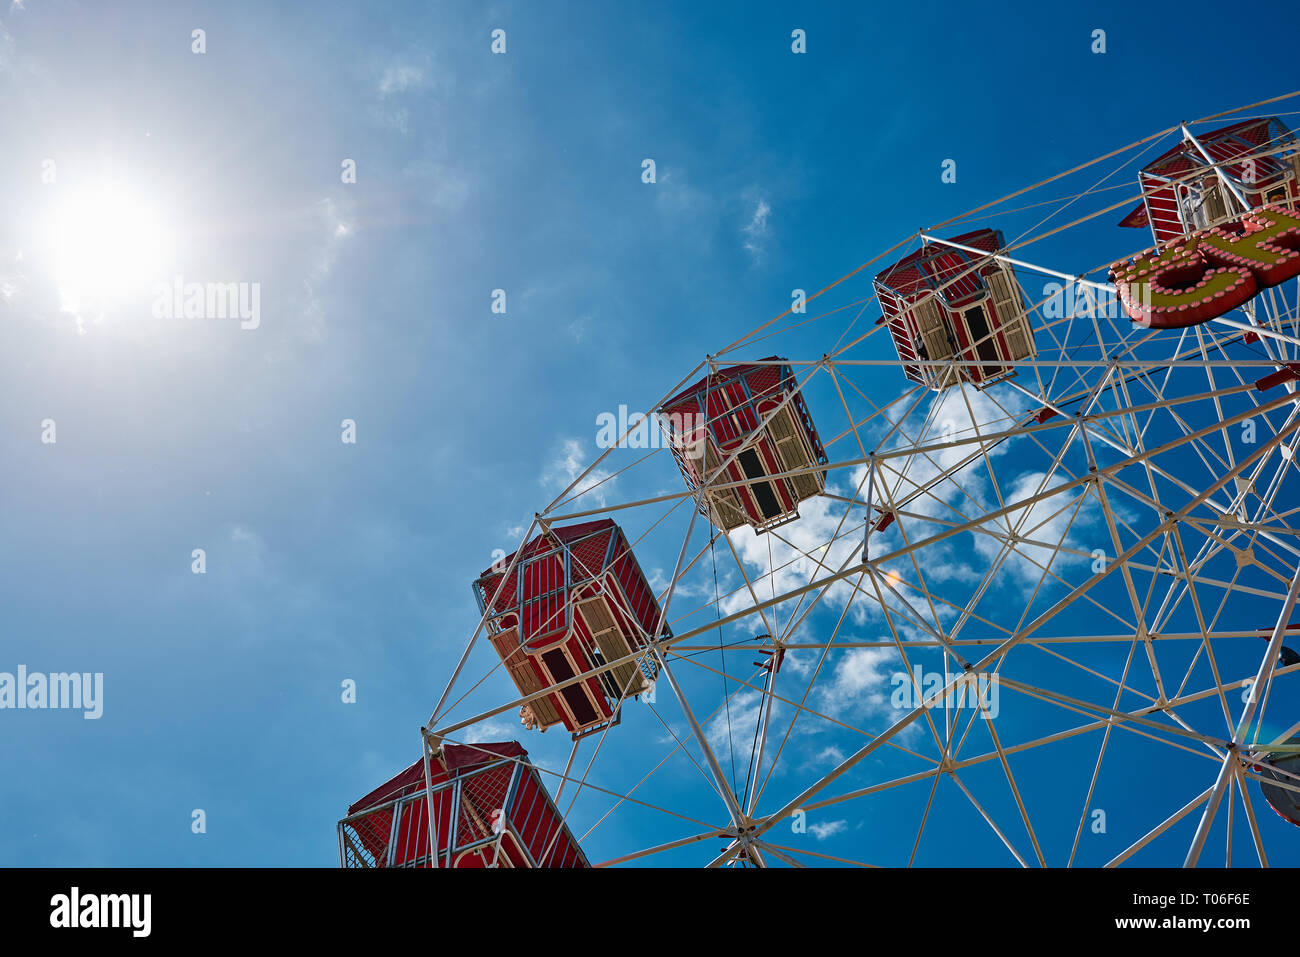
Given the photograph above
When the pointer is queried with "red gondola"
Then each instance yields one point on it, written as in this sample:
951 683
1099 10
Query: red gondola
951 304
1222 207
490 810
575 600
1181 192
753 410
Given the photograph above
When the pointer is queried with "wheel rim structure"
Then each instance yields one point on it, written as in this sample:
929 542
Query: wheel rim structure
1039 622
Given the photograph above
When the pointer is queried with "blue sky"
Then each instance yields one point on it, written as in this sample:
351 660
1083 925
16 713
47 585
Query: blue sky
329 561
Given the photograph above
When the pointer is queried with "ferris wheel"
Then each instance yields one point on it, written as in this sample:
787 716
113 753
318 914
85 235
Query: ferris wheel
990 547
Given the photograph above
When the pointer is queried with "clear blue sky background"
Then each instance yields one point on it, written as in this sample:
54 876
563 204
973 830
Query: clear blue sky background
328 561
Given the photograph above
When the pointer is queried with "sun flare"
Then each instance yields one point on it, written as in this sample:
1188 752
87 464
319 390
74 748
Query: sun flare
108 244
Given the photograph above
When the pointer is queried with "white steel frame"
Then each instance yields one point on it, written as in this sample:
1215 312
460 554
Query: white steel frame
1130 429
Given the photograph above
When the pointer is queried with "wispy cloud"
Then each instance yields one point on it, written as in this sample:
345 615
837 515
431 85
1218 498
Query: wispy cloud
12 280
816 546
7 45
400 77
568 465
685 589
246 554
860 682
397 79
335 227
828 757
735 724
757 230
829 829
1047 521
578 328
491 731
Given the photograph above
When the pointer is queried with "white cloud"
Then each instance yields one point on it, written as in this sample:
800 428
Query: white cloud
790 556
757 230
240 533
855 683
578 328
336 227
1046 521
735 725
396 118
491 731
6 47
828 757
822 540
829 829
568 465
701 588
400 77
247 553
395 80
12 283
860 681
957 415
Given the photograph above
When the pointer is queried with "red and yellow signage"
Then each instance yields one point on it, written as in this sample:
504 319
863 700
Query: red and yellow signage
1210 272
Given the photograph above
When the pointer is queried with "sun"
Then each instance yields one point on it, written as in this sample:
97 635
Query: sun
108 245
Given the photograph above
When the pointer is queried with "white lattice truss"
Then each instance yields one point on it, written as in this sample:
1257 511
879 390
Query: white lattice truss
1148 518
